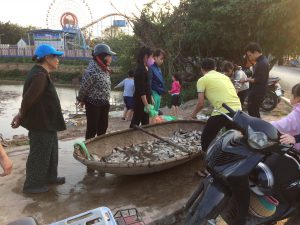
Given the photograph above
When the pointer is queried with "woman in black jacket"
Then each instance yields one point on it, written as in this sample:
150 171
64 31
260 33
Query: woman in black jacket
41 114
142 94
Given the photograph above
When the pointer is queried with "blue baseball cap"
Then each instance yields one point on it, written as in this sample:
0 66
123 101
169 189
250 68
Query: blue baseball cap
45 49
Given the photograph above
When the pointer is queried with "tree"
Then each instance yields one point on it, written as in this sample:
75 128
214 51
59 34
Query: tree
112 32
11 33
279 28
224 27
162 25
126 47
219 28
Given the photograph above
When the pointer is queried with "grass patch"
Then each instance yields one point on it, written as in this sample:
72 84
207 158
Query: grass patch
63 61
57 77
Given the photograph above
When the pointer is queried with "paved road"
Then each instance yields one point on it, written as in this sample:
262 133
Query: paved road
289 76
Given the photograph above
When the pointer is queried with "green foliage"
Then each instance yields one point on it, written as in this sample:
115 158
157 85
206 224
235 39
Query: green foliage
29 60
64 78
12 33
126 47
162 25
279 28
219 28
13 75
188 92
57 77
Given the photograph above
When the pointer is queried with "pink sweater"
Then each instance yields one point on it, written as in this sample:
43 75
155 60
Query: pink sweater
290 124
175 88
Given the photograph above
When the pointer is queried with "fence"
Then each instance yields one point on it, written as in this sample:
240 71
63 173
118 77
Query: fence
29 51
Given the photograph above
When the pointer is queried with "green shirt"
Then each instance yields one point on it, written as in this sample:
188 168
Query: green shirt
218 89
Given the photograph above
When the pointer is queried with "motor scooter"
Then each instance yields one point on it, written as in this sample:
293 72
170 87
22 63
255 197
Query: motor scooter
253 178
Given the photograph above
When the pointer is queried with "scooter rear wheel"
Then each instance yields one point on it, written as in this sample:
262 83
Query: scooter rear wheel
270 102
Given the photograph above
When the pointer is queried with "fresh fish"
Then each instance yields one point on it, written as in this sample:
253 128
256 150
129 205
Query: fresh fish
156 150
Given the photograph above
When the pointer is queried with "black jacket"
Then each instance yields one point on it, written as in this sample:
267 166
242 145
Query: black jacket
261 76
40 108
142 83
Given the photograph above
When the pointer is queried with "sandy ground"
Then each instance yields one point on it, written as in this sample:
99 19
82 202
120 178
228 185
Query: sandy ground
80 193
76 126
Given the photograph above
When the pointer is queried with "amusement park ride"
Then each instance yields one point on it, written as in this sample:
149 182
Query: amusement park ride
70 25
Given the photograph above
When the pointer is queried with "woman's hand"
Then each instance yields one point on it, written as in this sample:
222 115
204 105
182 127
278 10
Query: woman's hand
287 139
244 80
15 123
80 104
153 102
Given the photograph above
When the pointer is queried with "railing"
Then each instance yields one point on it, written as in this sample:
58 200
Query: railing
11 52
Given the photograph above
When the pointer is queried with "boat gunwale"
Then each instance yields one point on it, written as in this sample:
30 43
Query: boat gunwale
145 126
167 163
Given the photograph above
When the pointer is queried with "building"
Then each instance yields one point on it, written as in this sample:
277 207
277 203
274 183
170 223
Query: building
47 36
23 43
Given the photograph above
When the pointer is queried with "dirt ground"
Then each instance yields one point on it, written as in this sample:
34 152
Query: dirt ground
76 126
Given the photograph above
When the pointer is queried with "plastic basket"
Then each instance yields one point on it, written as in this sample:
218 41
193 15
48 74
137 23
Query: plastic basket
128 217
98 216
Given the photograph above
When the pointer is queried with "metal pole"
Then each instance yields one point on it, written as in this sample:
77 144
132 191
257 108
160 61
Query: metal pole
29 40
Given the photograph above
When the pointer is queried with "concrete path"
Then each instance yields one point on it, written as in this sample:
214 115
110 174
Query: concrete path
289 76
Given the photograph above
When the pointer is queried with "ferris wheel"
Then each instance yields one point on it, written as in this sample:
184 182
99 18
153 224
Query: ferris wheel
68 13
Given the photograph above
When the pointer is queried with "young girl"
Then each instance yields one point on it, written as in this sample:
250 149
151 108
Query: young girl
290 125
175 92
128 85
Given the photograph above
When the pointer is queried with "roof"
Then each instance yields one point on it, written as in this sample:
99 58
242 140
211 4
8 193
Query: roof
26 41
46 31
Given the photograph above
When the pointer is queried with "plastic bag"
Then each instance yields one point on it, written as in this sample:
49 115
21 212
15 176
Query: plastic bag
152 112
169 118
155 118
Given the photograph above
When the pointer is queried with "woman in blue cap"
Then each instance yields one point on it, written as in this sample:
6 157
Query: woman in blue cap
41 114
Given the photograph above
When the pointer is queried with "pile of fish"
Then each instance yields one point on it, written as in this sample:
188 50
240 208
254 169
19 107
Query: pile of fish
157 150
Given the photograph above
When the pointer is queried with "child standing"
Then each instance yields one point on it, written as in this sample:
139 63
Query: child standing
175 92
290 125
128 85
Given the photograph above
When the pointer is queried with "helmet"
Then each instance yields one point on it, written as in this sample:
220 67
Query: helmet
103 48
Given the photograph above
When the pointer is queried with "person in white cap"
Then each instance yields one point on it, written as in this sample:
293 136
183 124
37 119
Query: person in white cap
41 114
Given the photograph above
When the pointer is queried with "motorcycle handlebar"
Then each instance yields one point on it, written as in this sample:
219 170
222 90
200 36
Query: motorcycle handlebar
230 110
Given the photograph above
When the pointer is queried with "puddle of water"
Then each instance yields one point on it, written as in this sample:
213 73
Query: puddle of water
11 98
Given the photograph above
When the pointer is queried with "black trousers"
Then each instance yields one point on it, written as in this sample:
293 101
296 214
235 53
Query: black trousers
139 116
41 165
254 102
242 96
96 120
213 126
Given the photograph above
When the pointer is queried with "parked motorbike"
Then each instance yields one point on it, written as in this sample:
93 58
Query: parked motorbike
273 95
253 178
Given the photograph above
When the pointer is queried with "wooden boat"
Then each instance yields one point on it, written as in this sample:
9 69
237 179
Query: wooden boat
103 146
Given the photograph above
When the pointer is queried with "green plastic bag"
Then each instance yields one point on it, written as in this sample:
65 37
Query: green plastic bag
169 118
80 145
152 112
